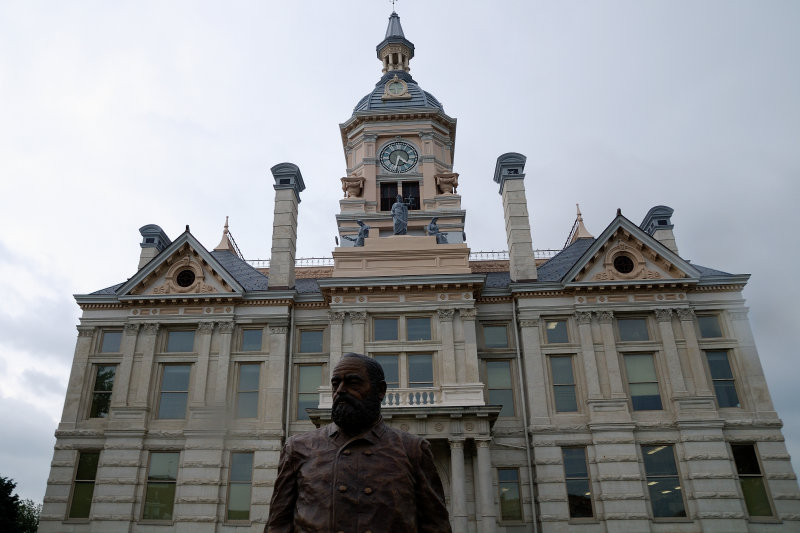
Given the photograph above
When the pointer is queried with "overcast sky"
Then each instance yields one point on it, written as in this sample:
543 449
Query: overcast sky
119 114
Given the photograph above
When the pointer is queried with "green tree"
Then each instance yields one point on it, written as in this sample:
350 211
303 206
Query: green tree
28 518
9 506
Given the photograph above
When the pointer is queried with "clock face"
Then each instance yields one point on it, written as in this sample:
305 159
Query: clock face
395 88
398 156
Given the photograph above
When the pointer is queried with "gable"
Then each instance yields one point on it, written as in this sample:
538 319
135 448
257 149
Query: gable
626 253
185 268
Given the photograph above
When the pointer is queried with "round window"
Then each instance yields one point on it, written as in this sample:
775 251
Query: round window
185 278
623 263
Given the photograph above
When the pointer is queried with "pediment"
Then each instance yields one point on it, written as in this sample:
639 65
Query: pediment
184 269
625 253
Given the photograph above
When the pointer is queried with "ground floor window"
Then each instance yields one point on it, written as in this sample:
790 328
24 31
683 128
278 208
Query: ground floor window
663 481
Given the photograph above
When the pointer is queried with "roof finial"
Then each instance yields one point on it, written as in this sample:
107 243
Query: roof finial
579 231
578 207
225 229
393 2
225 243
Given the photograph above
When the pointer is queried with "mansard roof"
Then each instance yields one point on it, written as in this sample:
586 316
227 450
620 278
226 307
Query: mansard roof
420 99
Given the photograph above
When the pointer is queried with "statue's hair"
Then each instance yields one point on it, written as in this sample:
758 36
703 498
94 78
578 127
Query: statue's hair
374 369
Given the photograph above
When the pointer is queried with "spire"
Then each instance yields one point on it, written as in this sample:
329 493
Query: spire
225 243
395 50
579 231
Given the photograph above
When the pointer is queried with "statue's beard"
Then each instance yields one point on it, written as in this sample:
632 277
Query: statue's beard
356 416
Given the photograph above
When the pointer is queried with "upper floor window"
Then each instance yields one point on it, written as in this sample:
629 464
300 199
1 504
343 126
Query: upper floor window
111 341
385 329
576 473
408 190
247 390
510 501
412 328
722 378
563 384
495 336
498 383
180 341
418 328
418 370
311 340
83 485
309 380
632 329
751 480
162 477
709 326
174 391
251 340
101 392
556 331
240 488
663 482
642 382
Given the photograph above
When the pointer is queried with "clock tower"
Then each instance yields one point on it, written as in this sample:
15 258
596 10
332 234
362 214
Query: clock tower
399 142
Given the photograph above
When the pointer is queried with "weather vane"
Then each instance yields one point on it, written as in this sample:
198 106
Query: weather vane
393 2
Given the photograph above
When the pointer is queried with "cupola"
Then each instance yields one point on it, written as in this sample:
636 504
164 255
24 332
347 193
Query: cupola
395 50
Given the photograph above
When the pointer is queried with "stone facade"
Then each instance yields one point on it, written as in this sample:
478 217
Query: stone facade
615 388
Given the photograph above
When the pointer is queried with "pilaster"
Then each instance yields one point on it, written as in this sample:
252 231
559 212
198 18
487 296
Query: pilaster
119 396
756 384
198 398
458 496
277 375
224 362
535 368
336 321
80 361
358 319
606 320
471 373
664 320
699 383
487 507
148 345
452 371
584 320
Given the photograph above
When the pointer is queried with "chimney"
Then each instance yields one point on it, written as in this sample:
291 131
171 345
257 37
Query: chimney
154 240
288 184
509 173
658 224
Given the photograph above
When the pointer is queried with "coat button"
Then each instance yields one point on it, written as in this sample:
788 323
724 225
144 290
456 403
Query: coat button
346 452
368 452
368 491
342 488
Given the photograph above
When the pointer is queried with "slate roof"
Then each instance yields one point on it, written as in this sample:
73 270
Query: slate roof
707 272
109 290
248 277
559 264
307 286
419 99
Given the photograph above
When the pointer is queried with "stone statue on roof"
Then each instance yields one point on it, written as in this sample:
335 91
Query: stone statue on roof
363 233
400 216
433 229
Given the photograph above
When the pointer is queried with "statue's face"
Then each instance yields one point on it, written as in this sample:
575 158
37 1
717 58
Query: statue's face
356 403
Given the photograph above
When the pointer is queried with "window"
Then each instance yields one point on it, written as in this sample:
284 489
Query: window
751 479
563 384
420 371
663 482
251 340
174 391
722 378
101 393
180 341
642 382
162 476
498 382
309 382
418 328
709 326
385 329
83 485
409 192
495 336
247 391
556 331
510 501
632 329
311 341
391 374
111 341
241 480
388 195
579 492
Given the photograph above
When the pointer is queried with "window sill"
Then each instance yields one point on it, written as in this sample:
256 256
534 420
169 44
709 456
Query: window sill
668 520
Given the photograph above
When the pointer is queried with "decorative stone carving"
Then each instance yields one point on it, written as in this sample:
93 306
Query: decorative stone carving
468 313
583 317
358 317
529 323
278 330
192 283
226 327
663 315
445 315
685 313
335 317
205 327
605 317
131 329
85 332
446 182
456 443
353 186
151 328
637 264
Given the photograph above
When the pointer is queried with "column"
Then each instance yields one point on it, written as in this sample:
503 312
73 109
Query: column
119 397
664 319
142 388
755 385
535 369
470 345
487 510
335 319
224 362
453 371
277 376
201 370
584 319
606 319
74 389
458 496
701 388
359 319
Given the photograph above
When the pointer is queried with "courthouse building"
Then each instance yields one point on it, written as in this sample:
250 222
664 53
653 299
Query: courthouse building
610 386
